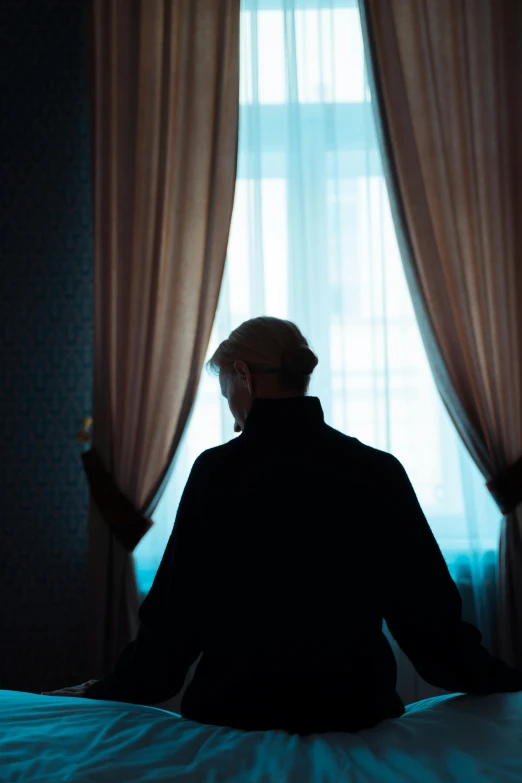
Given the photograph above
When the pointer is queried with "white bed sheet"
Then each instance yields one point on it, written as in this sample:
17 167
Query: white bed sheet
45 739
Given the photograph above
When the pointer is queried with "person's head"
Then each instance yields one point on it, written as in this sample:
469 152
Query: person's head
263 357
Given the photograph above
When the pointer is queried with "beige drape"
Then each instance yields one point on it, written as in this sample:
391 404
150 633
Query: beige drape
447 86
165 93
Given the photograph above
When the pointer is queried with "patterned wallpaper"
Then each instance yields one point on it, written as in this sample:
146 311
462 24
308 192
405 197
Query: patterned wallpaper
45 341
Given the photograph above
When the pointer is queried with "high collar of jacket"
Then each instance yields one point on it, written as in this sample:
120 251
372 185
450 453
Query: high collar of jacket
290 414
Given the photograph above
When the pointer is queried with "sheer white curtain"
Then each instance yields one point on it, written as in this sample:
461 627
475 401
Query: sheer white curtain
312 240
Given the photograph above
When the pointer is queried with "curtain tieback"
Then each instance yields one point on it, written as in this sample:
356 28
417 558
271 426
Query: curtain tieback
123 518
506 489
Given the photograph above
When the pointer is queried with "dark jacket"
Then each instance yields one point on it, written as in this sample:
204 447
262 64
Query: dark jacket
291 545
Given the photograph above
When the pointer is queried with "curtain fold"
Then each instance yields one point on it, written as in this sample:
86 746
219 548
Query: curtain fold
165 86
446 84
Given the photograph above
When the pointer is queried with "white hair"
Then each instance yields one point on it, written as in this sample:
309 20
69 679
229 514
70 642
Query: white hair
268 344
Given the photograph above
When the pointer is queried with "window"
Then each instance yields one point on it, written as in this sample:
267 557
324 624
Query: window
312 239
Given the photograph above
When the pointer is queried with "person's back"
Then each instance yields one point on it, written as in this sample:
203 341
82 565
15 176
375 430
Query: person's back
293 597
291 545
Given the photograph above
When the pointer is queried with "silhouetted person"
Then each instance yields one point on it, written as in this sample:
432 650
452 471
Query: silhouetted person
292 544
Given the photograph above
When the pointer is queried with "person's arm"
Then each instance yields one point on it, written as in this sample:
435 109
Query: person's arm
153 668
422 605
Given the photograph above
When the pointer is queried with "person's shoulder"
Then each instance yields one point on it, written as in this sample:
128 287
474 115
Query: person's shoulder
366 455
209 458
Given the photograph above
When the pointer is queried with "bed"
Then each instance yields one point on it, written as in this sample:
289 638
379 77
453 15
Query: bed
46 739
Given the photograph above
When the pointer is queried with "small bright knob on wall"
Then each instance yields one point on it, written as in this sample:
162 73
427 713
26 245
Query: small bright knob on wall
84 436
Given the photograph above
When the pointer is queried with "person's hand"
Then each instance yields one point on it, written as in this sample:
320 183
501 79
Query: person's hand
73 690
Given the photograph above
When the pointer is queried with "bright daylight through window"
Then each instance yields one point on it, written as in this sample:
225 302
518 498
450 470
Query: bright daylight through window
312 239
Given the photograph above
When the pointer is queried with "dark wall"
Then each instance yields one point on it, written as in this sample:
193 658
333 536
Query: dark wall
45 340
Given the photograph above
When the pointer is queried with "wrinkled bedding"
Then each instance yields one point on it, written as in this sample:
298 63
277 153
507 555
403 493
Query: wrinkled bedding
46 739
